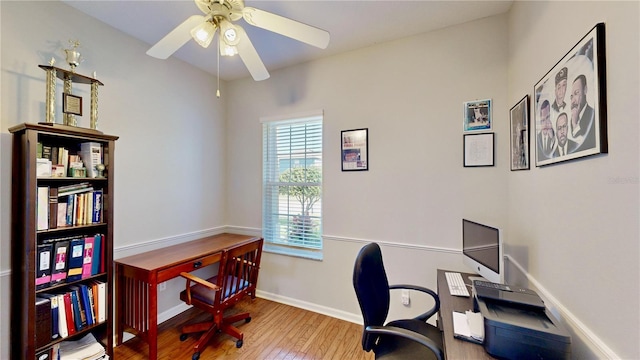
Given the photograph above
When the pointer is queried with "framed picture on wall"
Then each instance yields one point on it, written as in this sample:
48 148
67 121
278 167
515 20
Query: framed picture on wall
355 149
478 150
519 121
570 109
477 115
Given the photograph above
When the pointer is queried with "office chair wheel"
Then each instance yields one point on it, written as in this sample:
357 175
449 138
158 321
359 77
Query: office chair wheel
239 344
247 320
195 356
183 337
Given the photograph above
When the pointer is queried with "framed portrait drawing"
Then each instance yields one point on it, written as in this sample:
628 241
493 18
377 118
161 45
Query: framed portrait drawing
570 109
519 121
478 150
477 115
355 150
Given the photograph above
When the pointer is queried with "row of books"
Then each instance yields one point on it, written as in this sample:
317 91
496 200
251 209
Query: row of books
87 156
69 259
66 312
85 348
70 205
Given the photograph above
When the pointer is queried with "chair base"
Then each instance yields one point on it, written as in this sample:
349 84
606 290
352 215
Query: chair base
215 325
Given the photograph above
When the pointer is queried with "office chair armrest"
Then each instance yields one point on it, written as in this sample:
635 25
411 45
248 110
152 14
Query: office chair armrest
407 334
436 299
198 280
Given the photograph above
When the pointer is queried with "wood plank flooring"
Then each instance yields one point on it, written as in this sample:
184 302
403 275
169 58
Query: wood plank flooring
276 331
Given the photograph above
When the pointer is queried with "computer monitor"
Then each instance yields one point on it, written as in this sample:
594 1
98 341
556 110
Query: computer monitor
482 250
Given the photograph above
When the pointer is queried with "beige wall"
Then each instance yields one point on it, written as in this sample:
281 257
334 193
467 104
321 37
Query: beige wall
171 151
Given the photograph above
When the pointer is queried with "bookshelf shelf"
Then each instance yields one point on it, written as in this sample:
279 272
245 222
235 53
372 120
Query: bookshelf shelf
82 276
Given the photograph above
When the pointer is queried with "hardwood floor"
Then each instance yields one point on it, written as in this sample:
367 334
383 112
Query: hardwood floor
276 331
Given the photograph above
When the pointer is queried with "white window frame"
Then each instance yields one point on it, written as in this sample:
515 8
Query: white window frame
271 206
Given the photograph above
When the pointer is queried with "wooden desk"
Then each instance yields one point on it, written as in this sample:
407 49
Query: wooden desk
456 348
138 276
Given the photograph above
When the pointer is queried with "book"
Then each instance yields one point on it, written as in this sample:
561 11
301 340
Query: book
85 348
43 322
43 269
102 301
86 304
88 257
53 301
97 207
97 248
91 154
53 207
76 253
63 327
68 309
62 214
70 209
77 311
42 206
46 152
60 264
92 304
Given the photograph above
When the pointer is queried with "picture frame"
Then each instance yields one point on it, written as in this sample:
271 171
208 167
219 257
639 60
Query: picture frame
570 108
519 123
478 150
355 149
71 104
477 115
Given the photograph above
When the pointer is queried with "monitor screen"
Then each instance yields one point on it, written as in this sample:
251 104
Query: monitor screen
482 249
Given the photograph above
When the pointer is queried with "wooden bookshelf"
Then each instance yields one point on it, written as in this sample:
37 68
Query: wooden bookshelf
25 236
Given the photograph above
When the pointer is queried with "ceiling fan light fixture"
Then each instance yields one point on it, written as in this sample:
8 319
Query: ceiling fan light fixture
203 33
227 50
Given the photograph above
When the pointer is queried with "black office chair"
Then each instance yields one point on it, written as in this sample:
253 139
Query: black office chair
399 339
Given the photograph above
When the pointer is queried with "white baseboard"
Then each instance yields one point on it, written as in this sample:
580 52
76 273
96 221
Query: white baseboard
596 346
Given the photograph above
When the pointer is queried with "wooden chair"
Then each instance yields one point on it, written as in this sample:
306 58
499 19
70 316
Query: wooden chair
237 277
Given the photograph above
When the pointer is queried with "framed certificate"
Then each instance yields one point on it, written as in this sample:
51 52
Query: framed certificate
71 104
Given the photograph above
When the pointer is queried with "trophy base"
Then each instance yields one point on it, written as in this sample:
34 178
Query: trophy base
68 127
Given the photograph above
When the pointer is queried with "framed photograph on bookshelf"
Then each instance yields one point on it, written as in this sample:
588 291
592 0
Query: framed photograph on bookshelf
355 150
519 121
71 104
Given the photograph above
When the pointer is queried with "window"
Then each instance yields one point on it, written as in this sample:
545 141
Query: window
292 185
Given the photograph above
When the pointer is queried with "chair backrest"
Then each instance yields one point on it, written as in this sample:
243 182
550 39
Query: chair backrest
372 289
238 272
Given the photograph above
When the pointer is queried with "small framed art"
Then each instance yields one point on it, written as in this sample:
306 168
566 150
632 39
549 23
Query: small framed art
355 149
478 150
519 120
477 115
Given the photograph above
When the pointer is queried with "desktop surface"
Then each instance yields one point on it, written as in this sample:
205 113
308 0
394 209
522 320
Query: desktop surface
456 348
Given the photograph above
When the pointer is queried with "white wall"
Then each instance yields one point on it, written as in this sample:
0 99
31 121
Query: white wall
170 157
410 95
574 226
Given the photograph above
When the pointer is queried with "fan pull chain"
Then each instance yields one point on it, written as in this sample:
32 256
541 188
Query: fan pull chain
218 90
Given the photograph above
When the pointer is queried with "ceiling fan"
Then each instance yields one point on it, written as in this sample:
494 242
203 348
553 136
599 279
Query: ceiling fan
232 39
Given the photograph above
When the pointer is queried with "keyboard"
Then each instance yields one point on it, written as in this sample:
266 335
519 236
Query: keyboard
457 286
491 285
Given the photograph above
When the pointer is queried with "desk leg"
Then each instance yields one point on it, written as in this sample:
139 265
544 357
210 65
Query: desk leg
119 304
153 319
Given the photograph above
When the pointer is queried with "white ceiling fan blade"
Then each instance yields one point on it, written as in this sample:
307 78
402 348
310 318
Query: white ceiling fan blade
250 56
176 38
287 27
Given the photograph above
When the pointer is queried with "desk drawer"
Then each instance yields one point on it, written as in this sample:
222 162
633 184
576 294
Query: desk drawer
187 266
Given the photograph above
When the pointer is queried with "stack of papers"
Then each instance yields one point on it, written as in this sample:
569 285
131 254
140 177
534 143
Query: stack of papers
468 326
87 348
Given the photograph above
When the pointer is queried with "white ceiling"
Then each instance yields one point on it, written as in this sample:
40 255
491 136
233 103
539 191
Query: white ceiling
352 25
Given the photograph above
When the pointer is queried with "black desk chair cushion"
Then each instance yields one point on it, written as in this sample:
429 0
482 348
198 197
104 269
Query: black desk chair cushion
399 339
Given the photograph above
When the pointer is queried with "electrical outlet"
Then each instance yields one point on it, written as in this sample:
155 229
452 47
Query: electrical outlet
405 298
162 286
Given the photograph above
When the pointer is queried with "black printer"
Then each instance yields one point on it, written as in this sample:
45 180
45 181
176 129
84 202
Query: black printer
513 332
